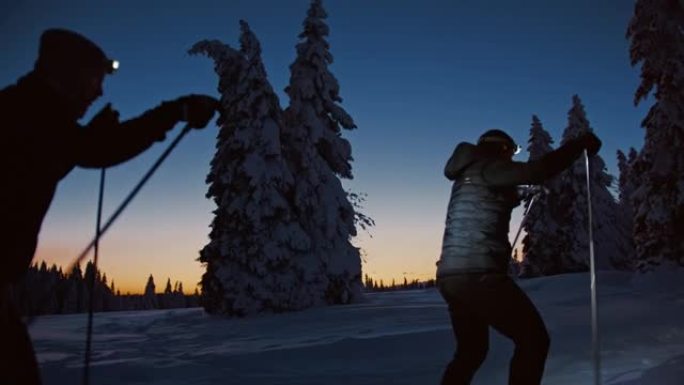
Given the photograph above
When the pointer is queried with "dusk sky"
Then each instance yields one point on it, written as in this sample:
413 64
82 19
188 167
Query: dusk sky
418 77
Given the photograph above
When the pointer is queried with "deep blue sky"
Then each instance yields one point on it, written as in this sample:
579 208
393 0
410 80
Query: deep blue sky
417 76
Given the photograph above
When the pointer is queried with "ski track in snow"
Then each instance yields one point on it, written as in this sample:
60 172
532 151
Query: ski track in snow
392 338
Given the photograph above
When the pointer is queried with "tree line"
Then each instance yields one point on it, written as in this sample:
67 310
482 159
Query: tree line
51 291
374 285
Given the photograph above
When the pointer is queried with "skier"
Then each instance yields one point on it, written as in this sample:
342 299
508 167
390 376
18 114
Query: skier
42 142
472 273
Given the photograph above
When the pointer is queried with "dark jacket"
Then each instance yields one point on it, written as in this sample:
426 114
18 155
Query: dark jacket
482 197
40 145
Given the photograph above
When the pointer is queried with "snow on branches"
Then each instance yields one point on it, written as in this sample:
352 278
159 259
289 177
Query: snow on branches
281 236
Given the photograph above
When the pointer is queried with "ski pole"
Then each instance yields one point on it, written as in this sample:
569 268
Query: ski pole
596 352
541 189
522 221
89 335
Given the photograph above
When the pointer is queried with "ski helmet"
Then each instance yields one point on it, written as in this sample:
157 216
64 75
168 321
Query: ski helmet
498 136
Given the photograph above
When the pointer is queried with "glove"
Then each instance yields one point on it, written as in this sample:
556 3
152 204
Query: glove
197 110
527 192
591 142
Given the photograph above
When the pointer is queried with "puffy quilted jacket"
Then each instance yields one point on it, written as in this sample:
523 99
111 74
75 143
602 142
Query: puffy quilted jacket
483 195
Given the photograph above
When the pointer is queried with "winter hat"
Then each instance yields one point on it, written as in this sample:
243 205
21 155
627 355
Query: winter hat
498 136
62 50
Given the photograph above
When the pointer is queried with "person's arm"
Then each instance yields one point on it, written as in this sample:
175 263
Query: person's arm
105 142
460 158
507 173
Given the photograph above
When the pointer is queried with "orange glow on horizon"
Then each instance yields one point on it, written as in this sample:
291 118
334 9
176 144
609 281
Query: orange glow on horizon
147 244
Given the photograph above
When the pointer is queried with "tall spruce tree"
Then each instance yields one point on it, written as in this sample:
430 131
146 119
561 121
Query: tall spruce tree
318 154
150 295
543 244
627 184
80 289
609 244
168 289
71 301
251 258
657 43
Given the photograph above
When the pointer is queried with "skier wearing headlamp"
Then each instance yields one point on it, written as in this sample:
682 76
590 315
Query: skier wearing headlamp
472 273
42 142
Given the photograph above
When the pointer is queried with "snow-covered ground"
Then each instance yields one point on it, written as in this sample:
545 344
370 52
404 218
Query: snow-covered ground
392 338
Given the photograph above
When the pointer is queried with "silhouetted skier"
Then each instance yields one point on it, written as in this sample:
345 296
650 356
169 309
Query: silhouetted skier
472 273
41 142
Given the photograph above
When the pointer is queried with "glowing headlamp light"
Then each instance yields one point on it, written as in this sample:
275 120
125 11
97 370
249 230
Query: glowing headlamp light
111 66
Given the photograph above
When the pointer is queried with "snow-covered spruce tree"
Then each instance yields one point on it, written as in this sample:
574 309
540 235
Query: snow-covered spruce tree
657 42
627 184
542 244
609 242
318 155
251 258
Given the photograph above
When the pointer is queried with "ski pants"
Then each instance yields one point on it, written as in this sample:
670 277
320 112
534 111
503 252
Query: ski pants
18 365
478 301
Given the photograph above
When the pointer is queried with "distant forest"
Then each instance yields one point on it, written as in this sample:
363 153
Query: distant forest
373 285
51 291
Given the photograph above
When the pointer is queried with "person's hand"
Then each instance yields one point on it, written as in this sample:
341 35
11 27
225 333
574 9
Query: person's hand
526 192
591 142
197 110
107 117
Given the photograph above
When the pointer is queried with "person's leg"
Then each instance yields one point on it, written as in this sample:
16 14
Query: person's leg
516 317
18 365
470 331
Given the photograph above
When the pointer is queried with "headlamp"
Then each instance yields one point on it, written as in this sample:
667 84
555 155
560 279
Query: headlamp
504 141
111 66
